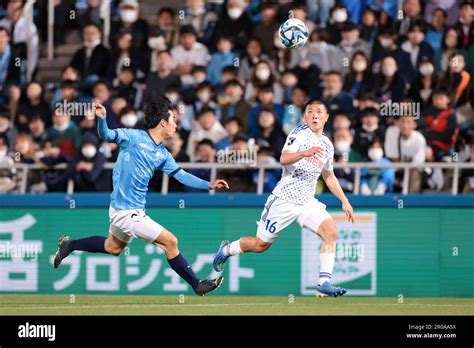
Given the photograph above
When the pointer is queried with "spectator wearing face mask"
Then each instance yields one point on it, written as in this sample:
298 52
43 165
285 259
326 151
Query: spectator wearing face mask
87 168
405 144
203 20
263 76
416 46
199 74
204 98
207 127
439 126
265 100
389 83
7 129
294 112
465 25
65 132
164 77
129 119
350 43
7 167
234 22
422 88
93 59
376 181
334 97
224 56
368 131
130 20
188 54
233 104
386 45
254 54
359 78
339 16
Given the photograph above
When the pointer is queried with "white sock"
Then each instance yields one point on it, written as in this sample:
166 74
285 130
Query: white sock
233 249
327 266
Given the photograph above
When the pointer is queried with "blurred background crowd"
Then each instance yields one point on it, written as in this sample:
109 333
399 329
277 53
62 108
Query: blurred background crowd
234 86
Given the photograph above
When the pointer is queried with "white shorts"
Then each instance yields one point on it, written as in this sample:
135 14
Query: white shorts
134 223
279 213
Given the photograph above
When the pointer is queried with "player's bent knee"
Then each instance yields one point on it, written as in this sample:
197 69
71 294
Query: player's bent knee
328 231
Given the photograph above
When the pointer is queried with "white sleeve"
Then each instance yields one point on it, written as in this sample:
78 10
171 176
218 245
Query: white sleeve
420 156
329 163
391 142
293 141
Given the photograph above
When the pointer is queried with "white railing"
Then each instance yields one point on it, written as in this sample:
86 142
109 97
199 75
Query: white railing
24 169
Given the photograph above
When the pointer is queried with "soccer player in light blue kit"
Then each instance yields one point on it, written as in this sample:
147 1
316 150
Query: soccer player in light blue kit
141 153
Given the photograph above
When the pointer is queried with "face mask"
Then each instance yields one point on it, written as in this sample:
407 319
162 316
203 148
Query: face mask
386 43
129 16
349 42
370 128
4 128
197 12
91 44
375 154
89 151
342 146
61 128
426 70
388 71
129 120
464 21
235 12
3 153
339 16
360 66
173 98
262 74
199 79
157 43
204 97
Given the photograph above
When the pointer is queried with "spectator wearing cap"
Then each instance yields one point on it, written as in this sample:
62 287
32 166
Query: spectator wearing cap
23 32
350 43
92 59
207 127
439 126
130 20
225 56
34 104
7 129
389 83
10 72
334 97
265 100
369 130
203 20
416 46
164 77
465 25
233 104
65 133
234 22
403 143
188 54
386 45
422 88
264 31
270 134
87 168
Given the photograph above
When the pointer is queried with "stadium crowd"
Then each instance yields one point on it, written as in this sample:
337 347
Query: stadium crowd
397 84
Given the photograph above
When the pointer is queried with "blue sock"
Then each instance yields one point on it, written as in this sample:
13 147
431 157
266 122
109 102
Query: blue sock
94 244
181 266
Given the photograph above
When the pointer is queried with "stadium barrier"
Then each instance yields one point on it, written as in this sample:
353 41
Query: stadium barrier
455 167
400 246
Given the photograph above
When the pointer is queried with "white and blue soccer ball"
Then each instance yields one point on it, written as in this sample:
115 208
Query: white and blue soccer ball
293 33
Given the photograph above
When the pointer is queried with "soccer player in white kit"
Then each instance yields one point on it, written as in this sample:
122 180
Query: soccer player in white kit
307 154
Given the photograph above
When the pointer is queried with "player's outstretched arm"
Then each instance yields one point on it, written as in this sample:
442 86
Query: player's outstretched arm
104 132
193 181
289 157
333 184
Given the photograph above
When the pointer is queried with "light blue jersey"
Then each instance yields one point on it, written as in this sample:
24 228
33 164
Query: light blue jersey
137 161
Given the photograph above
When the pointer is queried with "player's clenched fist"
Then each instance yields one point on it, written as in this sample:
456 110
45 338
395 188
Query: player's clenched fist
99 110
316 150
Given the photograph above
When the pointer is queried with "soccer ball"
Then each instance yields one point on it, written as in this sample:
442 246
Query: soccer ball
293 33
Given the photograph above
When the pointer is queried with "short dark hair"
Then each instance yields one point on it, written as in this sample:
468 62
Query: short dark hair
314 102
166 9
205 142
233 119
232 83
229 69
369 112
5 112
156 110
205 110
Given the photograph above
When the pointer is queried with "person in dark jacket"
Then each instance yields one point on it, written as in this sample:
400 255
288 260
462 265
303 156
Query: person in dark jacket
271 134
87 167
130 20
235 23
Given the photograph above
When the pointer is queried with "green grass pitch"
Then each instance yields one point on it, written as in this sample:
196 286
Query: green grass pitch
228 305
